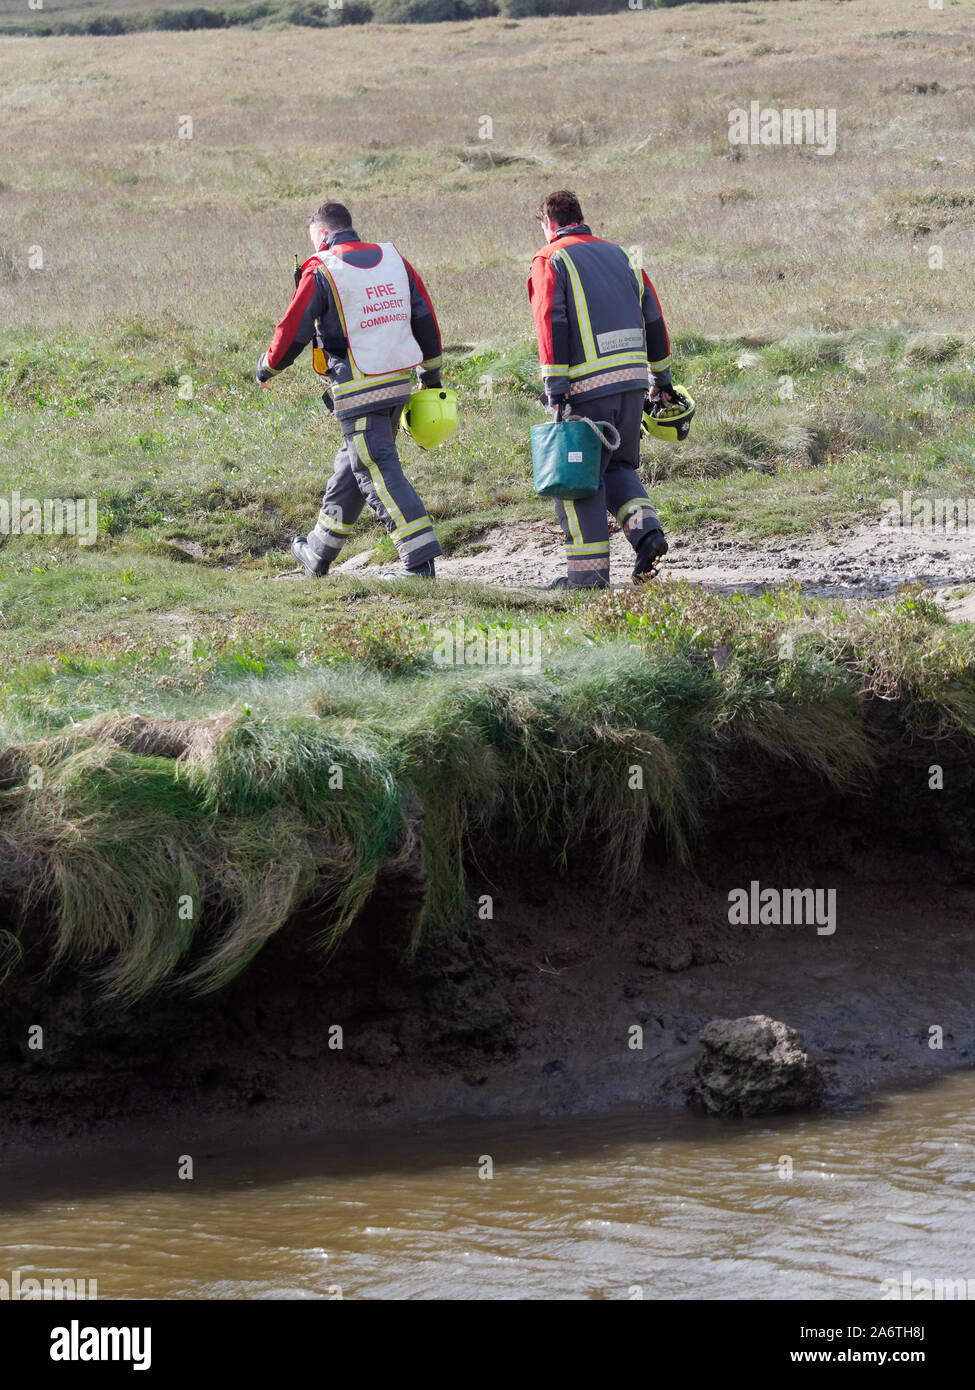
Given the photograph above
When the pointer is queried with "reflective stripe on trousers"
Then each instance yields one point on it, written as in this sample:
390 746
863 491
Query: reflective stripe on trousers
621 491
368 471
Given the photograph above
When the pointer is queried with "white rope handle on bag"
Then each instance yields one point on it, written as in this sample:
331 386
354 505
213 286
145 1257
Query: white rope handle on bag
597 427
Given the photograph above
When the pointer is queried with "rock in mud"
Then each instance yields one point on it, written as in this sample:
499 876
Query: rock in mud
754 1066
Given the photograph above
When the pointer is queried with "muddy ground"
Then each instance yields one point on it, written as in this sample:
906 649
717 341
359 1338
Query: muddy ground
844 562
530 1012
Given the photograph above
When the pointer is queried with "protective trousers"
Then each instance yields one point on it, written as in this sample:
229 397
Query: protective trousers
368 470
620 491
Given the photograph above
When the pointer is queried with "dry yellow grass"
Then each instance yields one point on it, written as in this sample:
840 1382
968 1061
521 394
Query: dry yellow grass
631 110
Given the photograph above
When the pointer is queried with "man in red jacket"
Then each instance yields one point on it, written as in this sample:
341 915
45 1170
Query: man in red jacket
602 342
370 312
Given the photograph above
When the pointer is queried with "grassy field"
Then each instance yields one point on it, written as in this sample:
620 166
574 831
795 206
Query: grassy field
166 261
81 9
833 365
14 10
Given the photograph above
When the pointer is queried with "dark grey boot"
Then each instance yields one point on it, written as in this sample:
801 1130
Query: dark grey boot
311 562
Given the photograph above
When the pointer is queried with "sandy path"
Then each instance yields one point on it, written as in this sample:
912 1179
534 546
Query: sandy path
847 561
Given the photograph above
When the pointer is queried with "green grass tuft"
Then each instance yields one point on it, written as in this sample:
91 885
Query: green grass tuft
161 850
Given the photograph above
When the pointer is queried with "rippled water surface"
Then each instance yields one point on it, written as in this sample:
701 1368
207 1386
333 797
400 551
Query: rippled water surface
677 1205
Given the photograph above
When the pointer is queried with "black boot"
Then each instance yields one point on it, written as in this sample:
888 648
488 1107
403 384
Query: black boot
651 548
310 561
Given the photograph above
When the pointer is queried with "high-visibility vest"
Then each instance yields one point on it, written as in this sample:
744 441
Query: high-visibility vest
374 306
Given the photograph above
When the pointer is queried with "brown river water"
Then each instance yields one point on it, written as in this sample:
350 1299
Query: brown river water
659 1205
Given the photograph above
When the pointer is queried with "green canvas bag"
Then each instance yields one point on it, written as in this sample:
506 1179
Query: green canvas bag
566 455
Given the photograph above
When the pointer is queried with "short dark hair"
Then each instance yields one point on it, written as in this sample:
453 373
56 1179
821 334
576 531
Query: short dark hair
335 216
562 208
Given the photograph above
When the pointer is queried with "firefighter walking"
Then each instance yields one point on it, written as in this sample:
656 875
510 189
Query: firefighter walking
602 343
370 315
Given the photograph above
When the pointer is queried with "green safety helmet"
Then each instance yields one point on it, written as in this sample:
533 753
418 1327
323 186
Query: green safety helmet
670 420
430 416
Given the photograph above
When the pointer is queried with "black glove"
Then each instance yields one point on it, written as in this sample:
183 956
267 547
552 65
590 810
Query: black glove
432 383
329 402
263 372
556 402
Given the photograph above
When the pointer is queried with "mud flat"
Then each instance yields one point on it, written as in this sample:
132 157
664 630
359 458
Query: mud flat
533 1012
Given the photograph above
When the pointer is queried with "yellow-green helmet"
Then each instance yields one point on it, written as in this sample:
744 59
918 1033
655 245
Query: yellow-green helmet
430 416
670 420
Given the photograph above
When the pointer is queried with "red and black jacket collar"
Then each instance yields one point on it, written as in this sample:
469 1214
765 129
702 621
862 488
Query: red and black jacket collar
576 229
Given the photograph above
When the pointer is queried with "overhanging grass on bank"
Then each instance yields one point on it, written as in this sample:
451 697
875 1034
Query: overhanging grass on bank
161 850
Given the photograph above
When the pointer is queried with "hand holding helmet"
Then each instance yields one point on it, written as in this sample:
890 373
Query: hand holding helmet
667 413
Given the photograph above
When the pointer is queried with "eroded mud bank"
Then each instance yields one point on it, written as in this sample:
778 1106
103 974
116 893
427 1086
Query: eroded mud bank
533 1011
